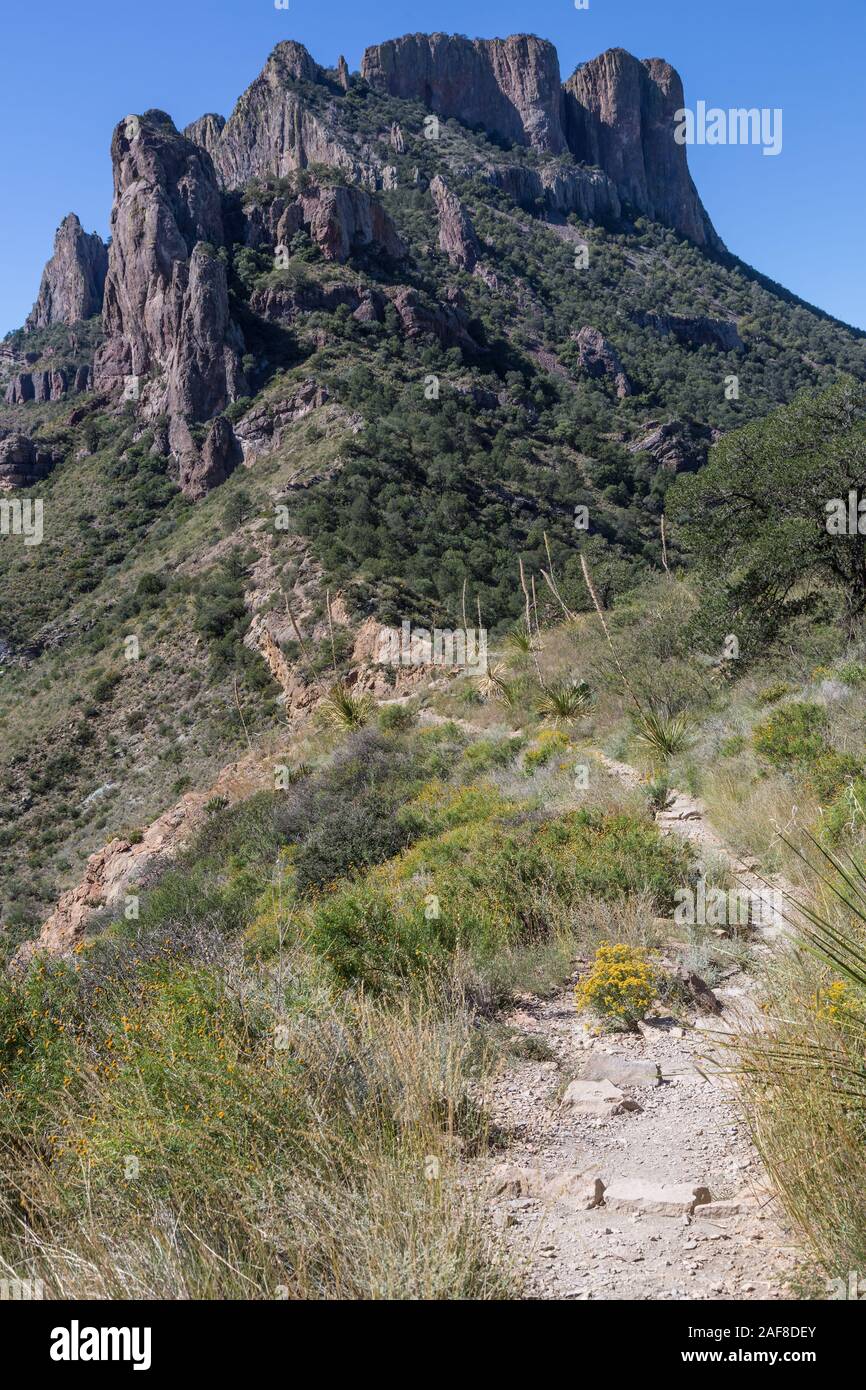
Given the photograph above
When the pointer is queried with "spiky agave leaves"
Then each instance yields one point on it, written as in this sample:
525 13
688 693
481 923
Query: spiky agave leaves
838 1067
519 641
342 708
564 701
664 735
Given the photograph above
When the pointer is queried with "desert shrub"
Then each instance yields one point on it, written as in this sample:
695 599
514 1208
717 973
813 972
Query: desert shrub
171 1116
486 753
620 986
830 772
345 817
793 736
853 673
771 694
398 718
485 887
548 744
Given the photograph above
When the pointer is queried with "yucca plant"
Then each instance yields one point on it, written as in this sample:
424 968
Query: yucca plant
343 709
564 701
519 640
493 682
805 1078
663 735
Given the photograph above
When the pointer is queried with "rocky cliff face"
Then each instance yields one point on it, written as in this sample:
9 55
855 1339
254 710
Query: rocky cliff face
73 280
693 331
47 386
169 338
456 234
560 189
619 114
206 131
615 112
509 86
24 462
273 131
341 220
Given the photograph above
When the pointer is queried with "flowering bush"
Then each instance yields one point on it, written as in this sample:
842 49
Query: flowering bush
620 986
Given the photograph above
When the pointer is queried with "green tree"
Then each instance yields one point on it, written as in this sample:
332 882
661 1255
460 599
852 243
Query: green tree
761 520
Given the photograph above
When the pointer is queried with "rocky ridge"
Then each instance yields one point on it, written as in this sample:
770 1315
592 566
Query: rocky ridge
73 280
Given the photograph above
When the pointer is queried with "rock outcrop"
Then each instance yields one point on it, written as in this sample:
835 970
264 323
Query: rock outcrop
678 446
273 130
23 462
560 189
261 429
456 234
284 304
510 86
221 453
697 331
619 114
598 359
418 319
615 113
49 385
73 280
206 131
344 220
166 316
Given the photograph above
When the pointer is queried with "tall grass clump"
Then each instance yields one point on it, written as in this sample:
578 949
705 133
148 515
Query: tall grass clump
805 1078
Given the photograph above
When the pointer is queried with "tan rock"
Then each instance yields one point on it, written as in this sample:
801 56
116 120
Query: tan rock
648 1197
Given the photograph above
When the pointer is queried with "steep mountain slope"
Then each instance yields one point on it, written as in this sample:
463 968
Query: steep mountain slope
374 332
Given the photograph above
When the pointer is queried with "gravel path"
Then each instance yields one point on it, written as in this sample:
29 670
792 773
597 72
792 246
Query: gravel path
640 1182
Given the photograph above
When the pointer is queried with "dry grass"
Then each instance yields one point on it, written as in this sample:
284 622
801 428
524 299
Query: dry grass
365 1203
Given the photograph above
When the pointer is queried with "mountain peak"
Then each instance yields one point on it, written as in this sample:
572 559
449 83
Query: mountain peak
73 279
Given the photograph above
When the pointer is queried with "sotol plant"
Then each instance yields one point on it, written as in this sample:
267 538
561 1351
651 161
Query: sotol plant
343 709
564 701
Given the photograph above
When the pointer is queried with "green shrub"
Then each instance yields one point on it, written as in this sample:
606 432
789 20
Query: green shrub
853 673
770 694
398 718
793 736
549 743
485 887
830 772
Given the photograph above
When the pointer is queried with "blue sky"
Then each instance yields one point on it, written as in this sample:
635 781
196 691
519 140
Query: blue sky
68 73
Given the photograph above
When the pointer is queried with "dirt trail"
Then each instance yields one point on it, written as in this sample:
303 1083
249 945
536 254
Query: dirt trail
669 1142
